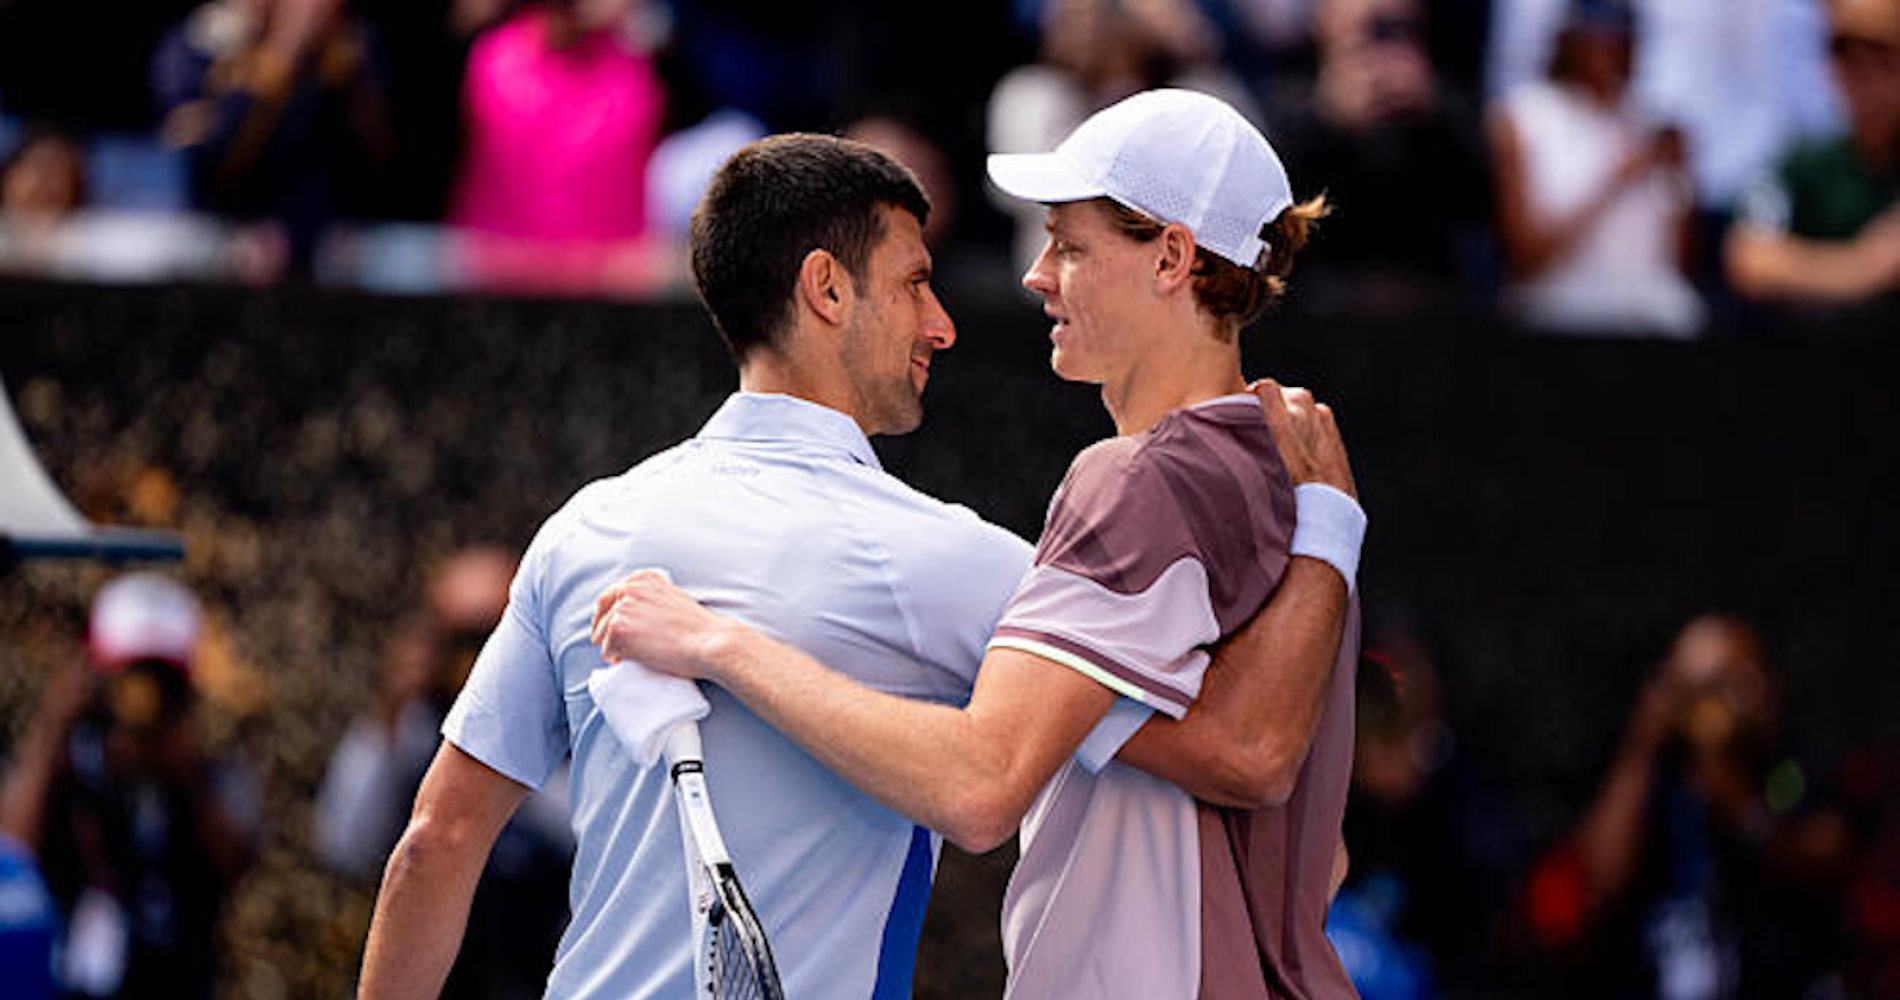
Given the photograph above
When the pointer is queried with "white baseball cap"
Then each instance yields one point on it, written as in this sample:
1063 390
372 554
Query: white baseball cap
1174 155
144 616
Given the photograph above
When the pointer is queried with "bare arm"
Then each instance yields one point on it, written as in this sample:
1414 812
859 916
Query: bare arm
1765 263
1532 243
37 757
422 909
1246 737
1610 837
969 773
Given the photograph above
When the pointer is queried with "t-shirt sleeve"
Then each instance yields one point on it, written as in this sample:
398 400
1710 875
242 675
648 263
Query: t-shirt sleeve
511 715
953 587
1124 719
1119 587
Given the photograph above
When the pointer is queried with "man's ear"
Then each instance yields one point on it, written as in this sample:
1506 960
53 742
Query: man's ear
825 287
1175 266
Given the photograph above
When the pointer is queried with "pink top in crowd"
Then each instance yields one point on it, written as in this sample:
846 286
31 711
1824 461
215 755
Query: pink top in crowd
558 140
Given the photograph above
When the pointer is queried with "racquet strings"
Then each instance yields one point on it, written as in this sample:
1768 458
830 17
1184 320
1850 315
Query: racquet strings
735 975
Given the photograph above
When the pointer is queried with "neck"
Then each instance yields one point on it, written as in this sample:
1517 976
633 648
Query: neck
1172 376
561 29
773 371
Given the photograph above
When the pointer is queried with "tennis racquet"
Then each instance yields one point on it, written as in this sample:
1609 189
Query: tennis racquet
731 960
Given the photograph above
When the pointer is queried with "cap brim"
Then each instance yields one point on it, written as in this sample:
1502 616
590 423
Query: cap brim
1042 177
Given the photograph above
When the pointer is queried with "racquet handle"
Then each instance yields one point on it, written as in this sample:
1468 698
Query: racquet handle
682 743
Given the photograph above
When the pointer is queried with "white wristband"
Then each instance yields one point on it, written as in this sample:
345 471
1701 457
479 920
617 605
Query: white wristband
1330 527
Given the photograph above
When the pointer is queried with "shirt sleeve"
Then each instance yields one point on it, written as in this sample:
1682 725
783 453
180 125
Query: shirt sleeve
1119 590
510 715
1123 720
953 588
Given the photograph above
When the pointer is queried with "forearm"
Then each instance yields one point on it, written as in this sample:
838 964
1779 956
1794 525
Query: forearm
28 783
1611 833
1245 739
421 913
429 882
969 773
1536 244
1773 265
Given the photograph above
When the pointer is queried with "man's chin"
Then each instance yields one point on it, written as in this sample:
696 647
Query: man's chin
900 421
1068 370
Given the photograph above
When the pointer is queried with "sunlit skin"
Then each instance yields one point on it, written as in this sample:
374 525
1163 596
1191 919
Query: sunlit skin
897 326
1125 317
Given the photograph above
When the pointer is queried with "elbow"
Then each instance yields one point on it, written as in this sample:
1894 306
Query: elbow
428 849
1263 777
983 819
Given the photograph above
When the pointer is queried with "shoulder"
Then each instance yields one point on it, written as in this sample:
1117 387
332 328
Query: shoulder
1219 462
1204 483
905 513
591 504
1818 159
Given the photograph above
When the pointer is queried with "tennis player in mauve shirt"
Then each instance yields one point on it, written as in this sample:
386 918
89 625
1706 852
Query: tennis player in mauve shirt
1172 225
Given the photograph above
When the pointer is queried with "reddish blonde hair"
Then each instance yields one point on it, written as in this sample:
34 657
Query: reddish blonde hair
1222 287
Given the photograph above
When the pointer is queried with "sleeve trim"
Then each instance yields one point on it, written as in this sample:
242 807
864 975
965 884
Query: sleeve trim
1108 675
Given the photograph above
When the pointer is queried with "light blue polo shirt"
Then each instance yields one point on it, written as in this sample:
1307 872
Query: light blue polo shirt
779 514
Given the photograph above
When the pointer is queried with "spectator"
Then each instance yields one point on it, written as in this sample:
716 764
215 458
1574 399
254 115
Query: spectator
214 32
563 113
44 179
1592 202
49 228
898 137
1698 871
139 833
373 774
1825 228
1400 152
1094 53
290 125
1741 77
42 183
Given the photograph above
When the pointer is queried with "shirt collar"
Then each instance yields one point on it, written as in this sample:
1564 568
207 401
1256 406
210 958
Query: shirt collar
768 416
1227 400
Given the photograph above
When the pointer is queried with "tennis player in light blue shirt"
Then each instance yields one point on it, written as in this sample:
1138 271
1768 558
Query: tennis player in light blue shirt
808 252
779 511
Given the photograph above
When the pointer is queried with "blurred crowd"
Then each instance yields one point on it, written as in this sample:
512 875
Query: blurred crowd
1706 863
1658 167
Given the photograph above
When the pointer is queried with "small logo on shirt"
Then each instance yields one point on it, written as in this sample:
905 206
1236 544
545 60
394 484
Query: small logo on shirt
734 469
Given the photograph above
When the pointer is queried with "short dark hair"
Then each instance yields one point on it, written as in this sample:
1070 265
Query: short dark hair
772 203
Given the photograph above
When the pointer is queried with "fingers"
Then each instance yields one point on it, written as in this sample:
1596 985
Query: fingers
1307 435
1273 406
1270 393
633 584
